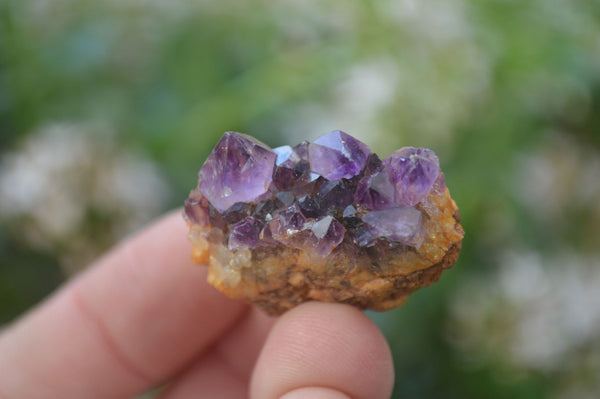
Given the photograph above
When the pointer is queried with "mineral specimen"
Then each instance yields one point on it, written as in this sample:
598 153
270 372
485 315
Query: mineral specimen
326 221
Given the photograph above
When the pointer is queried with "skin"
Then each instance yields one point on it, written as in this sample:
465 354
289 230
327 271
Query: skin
143 315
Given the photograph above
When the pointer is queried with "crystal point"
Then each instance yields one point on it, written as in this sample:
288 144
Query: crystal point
245 233
287 224
334 195
376 191
284 153
327 233
239 169
414 171
337 155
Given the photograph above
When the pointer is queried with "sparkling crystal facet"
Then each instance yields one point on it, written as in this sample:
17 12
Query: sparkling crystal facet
376 191
337 155
334 195
286 223
239 169
284 153
414 171
237 212
396 224
245 233
327 233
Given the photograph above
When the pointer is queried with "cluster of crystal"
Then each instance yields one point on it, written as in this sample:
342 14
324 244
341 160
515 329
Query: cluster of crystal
313 195
320 198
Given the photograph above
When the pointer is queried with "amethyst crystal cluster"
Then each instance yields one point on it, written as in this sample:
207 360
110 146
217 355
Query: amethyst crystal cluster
315 195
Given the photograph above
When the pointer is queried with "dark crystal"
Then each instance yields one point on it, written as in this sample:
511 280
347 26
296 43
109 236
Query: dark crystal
284 199
237 212
291 167
245 233
285 223
363 237
264 209
305 181
215 218
350 218
283 177
376 191
334 195
309 206
372 165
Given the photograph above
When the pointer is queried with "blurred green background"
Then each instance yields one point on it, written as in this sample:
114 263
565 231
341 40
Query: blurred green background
108 108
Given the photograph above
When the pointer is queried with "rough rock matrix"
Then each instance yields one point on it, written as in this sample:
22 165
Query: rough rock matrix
326 221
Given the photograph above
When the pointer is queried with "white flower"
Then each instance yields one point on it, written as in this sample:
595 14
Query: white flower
535 312
64 179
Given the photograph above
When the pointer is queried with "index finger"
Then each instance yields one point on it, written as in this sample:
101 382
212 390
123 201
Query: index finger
133 319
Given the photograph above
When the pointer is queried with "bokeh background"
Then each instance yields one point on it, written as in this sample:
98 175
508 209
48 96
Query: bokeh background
108 108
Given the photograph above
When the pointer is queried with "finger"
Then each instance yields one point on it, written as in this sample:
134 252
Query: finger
315 393
224 372
135 318
328 349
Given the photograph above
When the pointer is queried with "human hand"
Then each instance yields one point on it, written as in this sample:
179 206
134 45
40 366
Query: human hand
144 315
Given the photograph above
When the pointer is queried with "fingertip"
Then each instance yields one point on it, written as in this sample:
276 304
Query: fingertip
315 393
324 345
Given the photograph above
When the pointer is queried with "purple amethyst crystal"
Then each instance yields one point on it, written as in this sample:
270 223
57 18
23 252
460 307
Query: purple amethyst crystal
237 212
307 183
292 218
301 150
309 206
337 155
327 233
239 169
372 165
292 169
363 237
283 177
396 224
314 194
245 233
376 191
413 170
284 153
334 195
286 223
